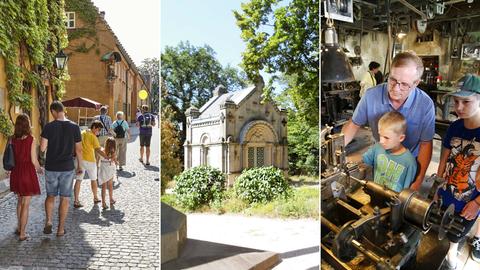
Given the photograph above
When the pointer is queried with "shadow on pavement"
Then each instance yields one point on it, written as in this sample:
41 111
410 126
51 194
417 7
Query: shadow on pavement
151 168
43 250
198 252
126 174
113 215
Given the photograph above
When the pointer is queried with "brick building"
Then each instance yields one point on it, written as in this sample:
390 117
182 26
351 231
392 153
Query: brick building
99 67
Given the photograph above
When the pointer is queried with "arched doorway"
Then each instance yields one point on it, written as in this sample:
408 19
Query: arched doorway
258 140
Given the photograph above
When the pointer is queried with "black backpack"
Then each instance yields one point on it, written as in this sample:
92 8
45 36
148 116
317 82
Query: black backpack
119 131
147 120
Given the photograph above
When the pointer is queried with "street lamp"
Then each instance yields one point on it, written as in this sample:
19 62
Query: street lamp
61 60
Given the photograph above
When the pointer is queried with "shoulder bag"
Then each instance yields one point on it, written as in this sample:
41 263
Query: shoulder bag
8 156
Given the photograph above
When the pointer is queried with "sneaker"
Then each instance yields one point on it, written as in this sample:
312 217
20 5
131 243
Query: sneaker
475 252
449 265
120 168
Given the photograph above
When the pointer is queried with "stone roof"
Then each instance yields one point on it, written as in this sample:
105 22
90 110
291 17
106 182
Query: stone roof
212 107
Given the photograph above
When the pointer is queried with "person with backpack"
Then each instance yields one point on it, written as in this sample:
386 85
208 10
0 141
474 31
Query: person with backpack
145 122
122 136
106 121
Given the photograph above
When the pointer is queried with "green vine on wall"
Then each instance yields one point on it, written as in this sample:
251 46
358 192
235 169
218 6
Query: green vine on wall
88 13
30 32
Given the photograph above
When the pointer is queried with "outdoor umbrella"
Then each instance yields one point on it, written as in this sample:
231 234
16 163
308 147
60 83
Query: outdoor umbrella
81 102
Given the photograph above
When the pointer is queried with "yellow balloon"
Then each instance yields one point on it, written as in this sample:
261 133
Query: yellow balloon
143 94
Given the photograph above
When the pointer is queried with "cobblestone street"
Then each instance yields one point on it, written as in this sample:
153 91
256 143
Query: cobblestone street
125 237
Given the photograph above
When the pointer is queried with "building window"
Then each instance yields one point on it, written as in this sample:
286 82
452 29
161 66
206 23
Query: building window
251 157
256 157
204 156
70 23
260 156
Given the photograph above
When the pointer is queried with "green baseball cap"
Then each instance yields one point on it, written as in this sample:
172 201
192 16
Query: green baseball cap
468 85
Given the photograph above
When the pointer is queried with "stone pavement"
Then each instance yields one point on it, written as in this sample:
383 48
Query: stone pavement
126 237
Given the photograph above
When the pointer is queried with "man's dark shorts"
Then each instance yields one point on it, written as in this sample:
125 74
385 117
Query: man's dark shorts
145 140
468 224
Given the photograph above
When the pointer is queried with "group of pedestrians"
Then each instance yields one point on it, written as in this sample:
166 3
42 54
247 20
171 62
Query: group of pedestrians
70 154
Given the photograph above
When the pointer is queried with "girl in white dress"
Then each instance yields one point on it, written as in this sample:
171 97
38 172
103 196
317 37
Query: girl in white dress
107 170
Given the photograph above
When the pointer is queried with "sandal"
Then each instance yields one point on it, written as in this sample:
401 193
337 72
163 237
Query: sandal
95 201
17 232
141 160
47 229
61 234
24 238
104 207
77 205
112 202
148 163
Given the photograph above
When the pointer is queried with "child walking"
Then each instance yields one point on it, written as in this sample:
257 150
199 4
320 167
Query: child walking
459 164
107 170
394 165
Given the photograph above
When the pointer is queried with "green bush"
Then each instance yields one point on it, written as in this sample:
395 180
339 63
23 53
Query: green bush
260 185
198 186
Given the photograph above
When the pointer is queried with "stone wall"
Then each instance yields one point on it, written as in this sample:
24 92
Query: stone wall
373 48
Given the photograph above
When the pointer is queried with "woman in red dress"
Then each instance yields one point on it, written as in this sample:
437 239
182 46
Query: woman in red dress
23 178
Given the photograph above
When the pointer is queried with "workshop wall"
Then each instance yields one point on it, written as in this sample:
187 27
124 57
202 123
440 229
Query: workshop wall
373 48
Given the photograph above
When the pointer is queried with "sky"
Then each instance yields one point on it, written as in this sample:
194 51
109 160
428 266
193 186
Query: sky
203 22
136 23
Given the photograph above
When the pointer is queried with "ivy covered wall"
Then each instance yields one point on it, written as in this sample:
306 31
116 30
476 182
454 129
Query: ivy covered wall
31 33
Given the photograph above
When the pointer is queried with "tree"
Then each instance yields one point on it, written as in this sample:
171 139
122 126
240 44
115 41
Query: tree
170 146
284 37
190 74
150 68
303 138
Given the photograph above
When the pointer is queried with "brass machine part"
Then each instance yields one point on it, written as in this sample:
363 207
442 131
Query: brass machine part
346 245
408 206
415 209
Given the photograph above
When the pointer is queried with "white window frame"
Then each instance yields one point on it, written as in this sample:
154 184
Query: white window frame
70 20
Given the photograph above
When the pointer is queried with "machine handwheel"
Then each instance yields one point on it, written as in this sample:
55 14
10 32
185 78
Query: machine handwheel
447 220
342 248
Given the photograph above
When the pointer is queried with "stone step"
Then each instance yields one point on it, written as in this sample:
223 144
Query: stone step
173 232
205 255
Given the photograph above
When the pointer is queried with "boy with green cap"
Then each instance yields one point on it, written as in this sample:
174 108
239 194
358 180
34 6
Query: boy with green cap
459 162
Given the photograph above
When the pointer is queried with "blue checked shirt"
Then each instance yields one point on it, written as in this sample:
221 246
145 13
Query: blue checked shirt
106 121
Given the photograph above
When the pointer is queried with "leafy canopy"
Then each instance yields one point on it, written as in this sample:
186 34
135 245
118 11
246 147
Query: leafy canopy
283 36
151 67
190 74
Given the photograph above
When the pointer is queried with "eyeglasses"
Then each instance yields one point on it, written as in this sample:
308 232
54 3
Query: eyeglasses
402 85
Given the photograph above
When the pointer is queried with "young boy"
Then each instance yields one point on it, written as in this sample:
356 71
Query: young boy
90 148
459 163
393 164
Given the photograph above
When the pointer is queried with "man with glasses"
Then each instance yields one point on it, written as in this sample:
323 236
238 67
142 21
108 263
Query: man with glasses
401 94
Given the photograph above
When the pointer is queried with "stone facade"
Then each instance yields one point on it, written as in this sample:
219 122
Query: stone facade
234 131
105 73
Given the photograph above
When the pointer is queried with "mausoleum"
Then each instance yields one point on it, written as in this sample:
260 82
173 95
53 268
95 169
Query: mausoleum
237 130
